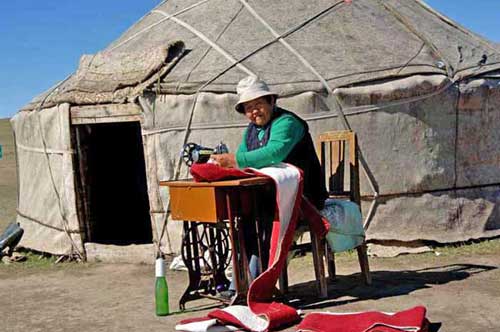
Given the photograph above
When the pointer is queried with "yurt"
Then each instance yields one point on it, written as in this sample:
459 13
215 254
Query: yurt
421 92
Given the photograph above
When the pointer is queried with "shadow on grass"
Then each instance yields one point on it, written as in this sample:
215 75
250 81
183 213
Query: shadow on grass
385 284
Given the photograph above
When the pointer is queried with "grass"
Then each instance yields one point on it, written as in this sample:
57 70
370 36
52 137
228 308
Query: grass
38 263
475 247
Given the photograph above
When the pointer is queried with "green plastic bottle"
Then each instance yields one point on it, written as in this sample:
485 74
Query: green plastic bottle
161 289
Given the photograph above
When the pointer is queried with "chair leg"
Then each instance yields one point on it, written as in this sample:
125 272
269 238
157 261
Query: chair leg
283 280
363 263
318 252
330 258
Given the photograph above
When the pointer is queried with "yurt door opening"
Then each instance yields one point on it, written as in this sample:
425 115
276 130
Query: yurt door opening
111 180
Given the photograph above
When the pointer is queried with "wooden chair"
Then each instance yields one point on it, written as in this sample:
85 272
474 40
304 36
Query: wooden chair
338 153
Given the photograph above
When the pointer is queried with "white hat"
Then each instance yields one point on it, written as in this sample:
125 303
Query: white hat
251 88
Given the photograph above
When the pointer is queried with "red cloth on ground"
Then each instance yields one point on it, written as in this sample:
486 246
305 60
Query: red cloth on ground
412 320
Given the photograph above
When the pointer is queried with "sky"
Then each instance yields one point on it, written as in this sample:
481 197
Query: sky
41 41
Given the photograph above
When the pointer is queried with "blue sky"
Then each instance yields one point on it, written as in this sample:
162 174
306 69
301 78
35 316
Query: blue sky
41 40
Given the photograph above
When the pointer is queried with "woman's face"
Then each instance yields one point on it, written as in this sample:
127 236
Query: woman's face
259 111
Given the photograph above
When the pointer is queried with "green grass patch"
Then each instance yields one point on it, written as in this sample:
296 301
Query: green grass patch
38 263
474 247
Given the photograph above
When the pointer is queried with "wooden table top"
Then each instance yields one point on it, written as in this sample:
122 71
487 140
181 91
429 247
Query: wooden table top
253 181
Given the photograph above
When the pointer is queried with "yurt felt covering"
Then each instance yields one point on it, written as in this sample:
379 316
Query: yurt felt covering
421 92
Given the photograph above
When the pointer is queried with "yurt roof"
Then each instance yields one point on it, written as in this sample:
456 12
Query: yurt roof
295 46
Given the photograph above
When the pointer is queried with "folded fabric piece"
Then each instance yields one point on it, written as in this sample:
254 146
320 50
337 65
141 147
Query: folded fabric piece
211 172
411 320
346 224
262 314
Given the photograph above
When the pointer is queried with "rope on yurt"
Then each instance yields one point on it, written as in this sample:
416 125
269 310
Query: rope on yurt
354 110
137 22
345 123
299 56
370 108
221 51
409 26
458 26
212 45
407 63
65 223
33 219
153 218
457 107
340 109
245 57
149 27
41 150
341 113
209 47
207 40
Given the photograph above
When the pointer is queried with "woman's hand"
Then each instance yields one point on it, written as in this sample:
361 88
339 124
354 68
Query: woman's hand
225 160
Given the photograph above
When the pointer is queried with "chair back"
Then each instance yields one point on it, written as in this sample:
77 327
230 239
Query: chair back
338 151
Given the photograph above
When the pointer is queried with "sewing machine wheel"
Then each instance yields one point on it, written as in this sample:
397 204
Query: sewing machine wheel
187 152
212 248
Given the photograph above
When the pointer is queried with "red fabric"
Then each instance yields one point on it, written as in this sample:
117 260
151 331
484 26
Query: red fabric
317 223
277 314
194 320
226 318
212 172
366 321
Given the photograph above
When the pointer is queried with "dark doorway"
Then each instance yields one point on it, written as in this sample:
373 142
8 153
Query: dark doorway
112 190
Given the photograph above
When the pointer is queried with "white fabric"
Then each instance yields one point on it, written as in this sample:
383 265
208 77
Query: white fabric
247 317
209 325
243 313
286 178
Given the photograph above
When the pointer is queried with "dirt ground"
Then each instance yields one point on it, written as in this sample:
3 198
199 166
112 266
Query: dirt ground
461 290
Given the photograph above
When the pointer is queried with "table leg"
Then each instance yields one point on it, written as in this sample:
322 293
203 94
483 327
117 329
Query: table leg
238 251
257 219
190 258
218 257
